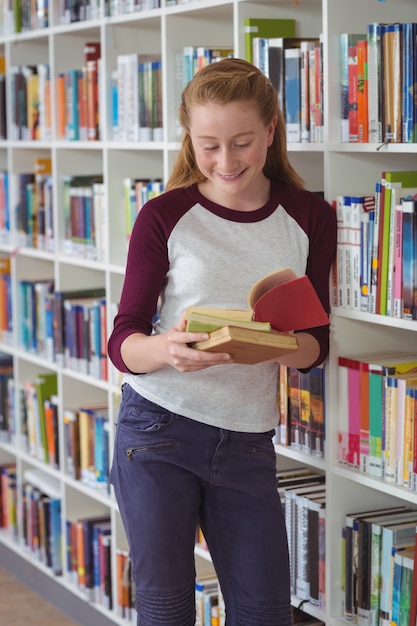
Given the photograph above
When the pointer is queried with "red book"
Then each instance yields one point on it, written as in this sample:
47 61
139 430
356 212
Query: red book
362 95
92 101
286 301
353 94
61 107
92 51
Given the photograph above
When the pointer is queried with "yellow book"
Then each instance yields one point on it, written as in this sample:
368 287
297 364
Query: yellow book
248 346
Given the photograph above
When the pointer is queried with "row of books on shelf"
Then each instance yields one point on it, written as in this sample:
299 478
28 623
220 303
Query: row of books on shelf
137 192
26 15
378 415
34 208
65 327
378 69
88 557
41 526
294 66
22 16
84 212
303 497
379 566
136 89
30 90
86 440
84 207
136 100
375 269
301 408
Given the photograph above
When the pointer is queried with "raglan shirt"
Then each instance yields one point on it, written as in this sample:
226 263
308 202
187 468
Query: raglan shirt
186 250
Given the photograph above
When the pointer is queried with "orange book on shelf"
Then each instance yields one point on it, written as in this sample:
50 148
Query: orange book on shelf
4 293
392 82
80 554
83 103
50 408
363 132
92 101
61 117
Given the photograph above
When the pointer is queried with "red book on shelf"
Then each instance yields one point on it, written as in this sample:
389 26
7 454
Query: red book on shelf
353 93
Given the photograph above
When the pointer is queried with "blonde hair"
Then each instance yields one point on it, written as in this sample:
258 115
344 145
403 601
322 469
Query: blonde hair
232 80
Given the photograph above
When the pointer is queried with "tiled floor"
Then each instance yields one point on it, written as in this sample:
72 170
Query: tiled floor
20 606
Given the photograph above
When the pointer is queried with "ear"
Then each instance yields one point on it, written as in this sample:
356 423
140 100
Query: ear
271 130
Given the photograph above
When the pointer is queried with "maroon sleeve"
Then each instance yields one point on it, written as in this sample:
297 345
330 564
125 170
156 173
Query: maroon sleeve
146 269
319 222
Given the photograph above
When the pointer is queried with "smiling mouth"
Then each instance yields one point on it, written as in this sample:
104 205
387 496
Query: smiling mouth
230 177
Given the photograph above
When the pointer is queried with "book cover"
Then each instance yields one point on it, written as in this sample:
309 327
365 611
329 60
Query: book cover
404 428
353 120
408 556
391 77
313 548
410 414
375 86
409 81
363 135
92 77
373 287
294 407
293 94
248 346
413 599
367 221
266 27
305 47
354 413
346 41
390 421
317 411
393 537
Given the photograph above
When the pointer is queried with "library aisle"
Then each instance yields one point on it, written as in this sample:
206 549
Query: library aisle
20 606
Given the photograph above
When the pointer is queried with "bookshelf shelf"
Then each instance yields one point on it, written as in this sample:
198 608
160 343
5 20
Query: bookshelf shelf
331 167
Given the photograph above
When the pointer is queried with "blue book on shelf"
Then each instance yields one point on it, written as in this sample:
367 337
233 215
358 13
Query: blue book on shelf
409 82
72 108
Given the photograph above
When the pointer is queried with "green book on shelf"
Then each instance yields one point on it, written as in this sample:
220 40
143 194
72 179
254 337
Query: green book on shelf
390 179
266 27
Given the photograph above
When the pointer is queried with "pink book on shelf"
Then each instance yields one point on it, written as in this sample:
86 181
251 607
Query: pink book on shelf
398 255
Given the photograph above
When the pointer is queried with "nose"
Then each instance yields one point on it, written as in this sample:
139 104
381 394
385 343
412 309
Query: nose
226 161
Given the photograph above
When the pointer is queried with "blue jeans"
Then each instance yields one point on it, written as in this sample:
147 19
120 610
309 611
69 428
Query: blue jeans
170 473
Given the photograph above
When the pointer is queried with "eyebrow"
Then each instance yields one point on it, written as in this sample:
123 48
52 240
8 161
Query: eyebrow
244 134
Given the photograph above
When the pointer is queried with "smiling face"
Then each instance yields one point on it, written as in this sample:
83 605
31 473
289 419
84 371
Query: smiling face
230 144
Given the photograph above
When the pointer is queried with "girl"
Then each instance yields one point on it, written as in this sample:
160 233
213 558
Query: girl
194 435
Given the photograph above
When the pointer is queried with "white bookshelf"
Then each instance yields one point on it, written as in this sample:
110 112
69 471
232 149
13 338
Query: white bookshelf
332 166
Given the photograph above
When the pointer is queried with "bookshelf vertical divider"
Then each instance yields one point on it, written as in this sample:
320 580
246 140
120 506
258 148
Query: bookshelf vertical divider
333 167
